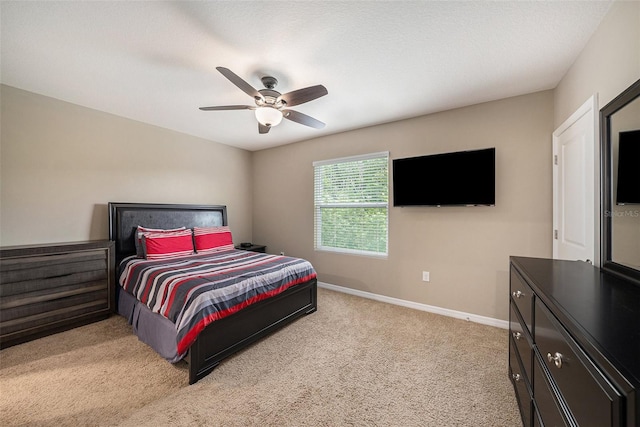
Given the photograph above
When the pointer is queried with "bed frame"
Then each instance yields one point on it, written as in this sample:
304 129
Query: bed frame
226 336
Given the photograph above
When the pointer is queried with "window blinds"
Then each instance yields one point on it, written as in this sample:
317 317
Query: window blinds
351 204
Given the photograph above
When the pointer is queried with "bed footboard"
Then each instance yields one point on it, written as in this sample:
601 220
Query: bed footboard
226 336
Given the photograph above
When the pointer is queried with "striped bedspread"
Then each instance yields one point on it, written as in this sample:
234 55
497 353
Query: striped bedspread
194 291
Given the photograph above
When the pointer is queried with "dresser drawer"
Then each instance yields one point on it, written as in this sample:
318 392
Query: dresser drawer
522 296
547 408
521 338
590 397
520 384
537 421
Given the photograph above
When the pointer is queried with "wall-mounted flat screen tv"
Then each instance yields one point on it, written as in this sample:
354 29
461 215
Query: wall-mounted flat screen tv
628 191
463 178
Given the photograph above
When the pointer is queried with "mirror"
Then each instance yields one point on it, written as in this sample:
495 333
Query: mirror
620 145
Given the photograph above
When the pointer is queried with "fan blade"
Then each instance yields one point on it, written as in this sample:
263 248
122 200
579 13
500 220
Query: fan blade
228 107
236 80
303 119
301 96
263 129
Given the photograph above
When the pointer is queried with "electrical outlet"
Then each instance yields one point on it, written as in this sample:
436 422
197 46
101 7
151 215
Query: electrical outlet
425 276
282 253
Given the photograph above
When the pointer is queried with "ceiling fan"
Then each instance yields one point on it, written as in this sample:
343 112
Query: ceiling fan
271 105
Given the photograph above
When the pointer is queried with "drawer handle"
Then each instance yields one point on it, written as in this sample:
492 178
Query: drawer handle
516 377
556 358
518 294
517 335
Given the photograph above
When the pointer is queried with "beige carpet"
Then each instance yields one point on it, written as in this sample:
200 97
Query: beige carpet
355 362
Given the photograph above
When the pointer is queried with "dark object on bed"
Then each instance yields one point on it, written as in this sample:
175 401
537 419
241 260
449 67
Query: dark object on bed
225 336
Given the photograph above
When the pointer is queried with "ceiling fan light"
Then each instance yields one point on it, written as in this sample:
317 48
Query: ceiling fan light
268 116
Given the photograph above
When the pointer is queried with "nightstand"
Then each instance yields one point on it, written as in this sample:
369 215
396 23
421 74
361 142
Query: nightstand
253 248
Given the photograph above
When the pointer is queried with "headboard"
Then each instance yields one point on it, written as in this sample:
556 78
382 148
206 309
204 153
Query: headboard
124 218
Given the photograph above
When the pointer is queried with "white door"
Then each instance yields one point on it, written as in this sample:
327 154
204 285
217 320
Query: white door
575 185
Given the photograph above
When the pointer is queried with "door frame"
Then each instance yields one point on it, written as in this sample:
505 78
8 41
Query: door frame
590 109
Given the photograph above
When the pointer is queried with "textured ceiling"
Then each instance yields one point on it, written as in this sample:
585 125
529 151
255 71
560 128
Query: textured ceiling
381 61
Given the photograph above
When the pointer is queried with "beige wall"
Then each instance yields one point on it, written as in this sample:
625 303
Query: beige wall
609 63
62 163
466 250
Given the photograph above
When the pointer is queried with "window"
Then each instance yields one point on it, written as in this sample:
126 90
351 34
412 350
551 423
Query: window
352 204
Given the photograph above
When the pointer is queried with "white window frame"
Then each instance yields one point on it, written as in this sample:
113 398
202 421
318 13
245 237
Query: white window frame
318 218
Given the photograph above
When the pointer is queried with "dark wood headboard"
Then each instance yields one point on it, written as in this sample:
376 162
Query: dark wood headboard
124 218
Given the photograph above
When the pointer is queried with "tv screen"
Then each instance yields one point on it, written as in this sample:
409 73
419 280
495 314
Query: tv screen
628 191
458 178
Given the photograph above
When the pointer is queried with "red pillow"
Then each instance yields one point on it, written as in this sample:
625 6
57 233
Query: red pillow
167 245
212 239
140 230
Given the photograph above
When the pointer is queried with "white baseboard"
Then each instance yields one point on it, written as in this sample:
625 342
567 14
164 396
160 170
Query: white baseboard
419 306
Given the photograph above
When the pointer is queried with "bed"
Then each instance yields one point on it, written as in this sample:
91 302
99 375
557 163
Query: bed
222 337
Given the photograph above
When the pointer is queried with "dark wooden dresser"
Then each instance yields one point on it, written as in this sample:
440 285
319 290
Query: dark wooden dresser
46 289
574 345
